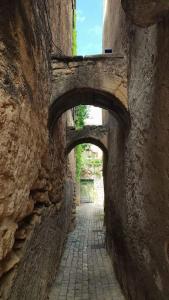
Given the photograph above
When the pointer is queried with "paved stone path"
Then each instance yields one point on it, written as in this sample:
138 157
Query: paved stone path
85 271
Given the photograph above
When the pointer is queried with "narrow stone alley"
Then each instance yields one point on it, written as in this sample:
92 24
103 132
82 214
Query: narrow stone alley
76 75
86 271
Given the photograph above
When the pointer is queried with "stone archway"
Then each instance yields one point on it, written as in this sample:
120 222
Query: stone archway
99 80
98 72
87 96
96 135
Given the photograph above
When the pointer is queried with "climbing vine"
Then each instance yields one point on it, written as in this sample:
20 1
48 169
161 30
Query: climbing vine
74 35
81 114
79 161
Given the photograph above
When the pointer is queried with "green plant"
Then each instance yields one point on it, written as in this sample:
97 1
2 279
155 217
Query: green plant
81 113
93 165
79 161
74 35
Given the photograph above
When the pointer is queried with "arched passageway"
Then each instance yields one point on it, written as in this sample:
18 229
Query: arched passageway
100 72
94 141
95 97
97 141
86 268
88 140
88 96
73 96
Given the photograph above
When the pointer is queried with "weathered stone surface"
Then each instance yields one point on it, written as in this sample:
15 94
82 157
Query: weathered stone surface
7 237
115 28
147 184
146 12
40 184
9 263
21 234
137 190
23 125
104 72
43 250
61 25
88 134
42 197
98 80
28 167
58 165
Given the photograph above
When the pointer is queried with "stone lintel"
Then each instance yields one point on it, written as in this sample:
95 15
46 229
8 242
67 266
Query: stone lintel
67 59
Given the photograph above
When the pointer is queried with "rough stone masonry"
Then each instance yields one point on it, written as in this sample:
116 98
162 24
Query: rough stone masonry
38 83
35 193
138 188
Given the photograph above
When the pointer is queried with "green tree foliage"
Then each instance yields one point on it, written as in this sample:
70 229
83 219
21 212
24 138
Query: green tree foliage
94 165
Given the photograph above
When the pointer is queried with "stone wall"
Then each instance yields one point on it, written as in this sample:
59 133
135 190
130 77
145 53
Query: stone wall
88 134
98 72
24 111
145 12
115 28
43 250
62 22
147 159
137 237
33 210
61 17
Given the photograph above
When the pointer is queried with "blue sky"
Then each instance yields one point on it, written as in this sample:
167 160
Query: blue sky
89 26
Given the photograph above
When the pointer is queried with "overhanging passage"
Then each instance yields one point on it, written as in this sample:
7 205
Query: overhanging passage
96 135
96 80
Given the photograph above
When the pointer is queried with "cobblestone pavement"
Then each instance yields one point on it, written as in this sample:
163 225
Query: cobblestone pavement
85 272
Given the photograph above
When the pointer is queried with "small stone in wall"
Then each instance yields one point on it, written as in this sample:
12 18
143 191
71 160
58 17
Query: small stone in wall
41 197
20 234
59 205
1 209
158 281
36 220
40 184
18 244
9 263
7 237
26 209
146 255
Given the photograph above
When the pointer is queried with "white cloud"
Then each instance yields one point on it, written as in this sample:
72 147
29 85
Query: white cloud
80 16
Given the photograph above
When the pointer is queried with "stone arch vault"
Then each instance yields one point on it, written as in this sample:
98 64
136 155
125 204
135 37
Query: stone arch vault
96 80
96 135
